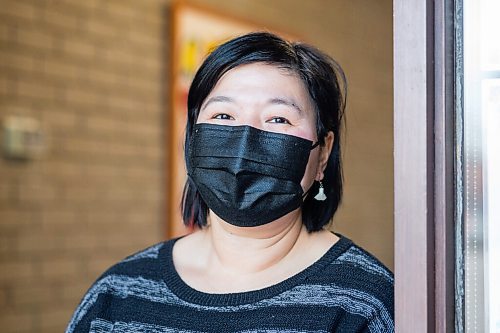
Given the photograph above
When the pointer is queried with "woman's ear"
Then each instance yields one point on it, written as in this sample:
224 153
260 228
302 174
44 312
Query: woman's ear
324 154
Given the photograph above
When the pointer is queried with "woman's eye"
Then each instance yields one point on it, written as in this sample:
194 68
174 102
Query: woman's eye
279 120
223 116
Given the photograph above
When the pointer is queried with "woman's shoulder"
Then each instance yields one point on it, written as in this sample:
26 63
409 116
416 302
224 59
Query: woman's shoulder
356 259
136 275
142 270
147 255
146 263
355 278
365 275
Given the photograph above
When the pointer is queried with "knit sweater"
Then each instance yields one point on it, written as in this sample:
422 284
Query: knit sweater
346 290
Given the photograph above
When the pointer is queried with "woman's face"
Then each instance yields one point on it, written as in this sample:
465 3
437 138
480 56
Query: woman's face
271 99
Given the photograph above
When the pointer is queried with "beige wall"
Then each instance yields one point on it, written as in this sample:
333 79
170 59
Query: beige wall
93 73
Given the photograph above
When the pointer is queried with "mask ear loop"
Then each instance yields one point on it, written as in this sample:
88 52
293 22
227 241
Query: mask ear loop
307 192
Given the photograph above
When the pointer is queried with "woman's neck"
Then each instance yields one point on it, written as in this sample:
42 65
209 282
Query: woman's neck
252 250
222 258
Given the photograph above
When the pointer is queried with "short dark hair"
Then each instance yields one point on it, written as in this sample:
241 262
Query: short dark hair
325 81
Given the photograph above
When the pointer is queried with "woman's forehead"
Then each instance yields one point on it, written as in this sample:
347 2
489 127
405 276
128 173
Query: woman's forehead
261 80
260 69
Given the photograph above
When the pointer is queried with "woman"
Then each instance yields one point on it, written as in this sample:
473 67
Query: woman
262 152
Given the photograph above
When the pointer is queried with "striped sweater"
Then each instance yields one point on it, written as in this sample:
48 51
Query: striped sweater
346 290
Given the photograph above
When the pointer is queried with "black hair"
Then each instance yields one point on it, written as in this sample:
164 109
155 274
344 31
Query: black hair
325 81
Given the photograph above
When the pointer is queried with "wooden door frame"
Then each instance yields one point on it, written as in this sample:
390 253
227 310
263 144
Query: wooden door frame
424 168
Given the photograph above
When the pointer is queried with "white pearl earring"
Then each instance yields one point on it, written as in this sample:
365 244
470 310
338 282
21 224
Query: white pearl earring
321 196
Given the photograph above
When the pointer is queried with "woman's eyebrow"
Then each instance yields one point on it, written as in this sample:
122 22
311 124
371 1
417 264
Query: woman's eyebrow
287 102
215 99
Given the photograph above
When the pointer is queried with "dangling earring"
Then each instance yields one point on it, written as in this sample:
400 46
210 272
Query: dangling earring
321 196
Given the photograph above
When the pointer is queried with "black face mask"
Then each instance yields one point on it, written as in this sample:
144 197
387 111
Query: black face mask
247 176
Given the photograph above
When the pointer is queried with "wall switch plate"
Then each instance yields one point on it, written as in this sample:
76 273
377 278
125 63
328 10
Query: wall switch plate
23 138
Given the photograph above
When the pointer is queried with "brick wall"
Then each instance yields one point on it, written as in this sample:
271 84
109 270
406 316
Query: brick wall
92 72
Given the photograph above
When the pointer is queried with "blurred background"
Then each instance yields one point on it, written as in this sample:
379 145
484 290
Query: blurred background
87 86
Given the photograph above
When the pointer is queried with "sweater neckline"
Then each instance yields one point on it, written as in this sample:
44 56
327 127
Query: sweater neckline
187 293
